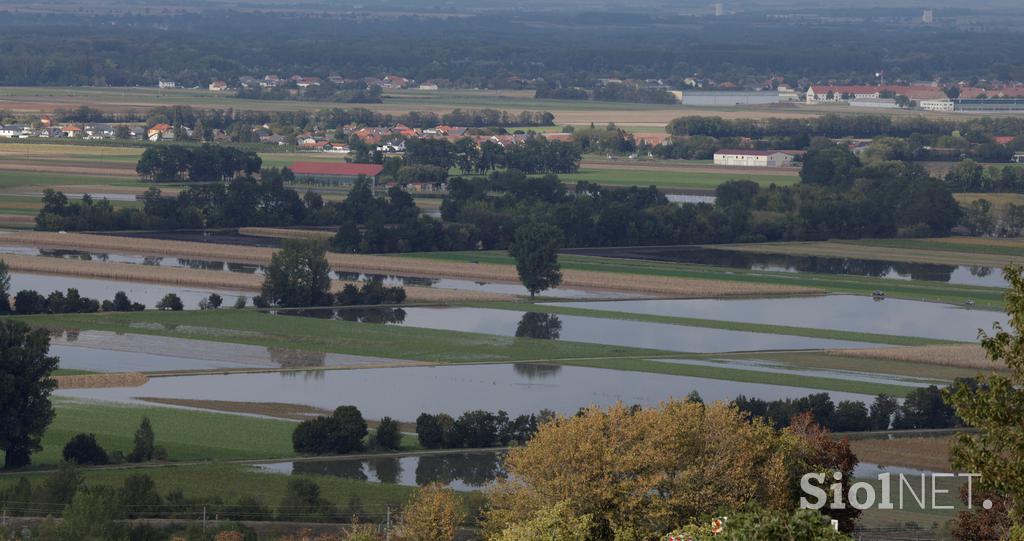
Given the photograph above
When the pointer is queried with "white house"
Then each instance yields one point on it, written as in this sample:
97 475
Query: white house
936 105
15 131
167 84
753 158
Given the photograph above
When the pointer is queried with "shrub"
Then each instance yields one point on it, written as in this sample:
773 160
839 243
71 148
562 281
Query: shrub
83 450
388 435
144 442
170 302
341 432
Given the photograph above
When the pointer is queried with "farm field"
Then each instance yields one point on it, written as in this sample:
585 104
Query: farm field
571 112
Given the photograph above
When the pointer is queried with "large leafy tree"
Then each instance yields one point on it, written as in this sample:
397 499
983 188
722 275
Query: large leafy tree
25 387
995 407
535 249
298 275
638 474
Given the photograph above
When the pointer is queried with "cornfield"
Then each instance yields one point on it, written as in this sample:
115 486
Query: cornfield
102 381
964 356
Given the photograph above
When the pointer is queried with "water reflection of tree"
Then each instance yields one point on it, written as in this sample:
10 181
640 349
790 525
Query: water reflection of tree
245 268
296 358
980 272
537 370
201 264
539 325
474 469
348 469
387 470
307 375
372 315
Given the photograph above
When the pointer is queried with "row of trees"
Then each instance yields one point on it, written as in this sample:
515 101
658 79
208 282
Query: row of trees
838 126
84 450
476 429
206 163
535 155
922 408
970 176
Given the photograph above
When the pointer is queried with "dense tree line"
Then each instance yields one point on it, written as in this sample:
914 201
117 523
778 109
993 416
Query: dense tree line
535 155
28 302
970 176
837 126
923 408
506 49
608 92
168 163
476 429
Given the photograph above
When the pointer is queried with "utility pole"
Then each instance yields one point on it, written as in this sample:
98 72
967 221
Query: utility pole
204 518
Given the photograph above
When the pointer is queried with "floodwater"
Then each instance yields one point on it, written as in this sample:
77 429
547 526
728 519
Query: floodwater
691 198
463 472
592 330
101 290
836 312
405 392
97 196
102 351
953 274
155 261
484 287
778 368
248 268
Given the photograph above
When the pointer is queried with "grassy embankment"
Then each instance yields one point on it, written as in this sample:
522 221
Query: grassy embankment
986 297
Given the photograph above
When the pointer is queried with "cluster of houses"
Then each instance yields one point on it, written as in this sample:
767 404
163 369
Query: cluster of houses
928 97
304 81
47 129
391 140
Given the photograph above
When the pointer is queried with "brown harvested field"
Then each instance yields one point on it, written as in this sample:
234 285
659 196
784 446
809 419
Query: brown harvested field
281 233
1017 243
651 285
17 219
206 278
922 453
84 169
102 381
863 251
962 355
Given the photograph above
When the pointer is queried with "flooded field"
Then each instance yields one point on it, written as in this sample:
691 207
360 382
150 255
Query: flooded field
248 268
953 274
838 312
156 261
459 471
101 351
776 368
586 329
405 392
148 294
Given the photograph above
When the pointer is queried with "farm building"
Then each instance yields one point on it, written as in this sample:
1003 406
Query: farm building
336 173
754 158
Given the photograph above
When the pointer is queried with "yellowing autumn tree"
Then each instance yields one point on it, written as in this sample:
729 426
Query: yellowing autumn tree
433 513
640 473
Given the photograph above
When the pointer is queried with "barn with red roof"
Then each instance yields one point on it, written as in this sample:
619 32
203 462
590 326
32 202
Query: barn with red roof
336 172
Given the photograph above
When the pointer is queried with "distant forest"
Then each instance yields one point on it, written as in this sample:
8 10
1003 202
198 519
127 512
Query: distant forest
491 50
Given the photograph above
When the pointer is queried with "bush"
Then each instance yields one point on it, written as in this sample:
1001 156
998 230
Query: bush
83 450
388 435
170 302
240 302
434 431
341 432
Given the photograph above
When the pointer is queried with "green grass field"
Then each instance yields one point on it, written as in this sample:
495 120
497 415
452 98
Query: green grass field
12 179
187 435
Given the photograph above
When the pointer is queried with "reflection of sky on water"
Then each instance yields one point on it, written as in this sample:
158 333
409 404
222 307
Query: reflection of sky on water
471 285
776 368
101 290
404 393
836 312
156 261
617 332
